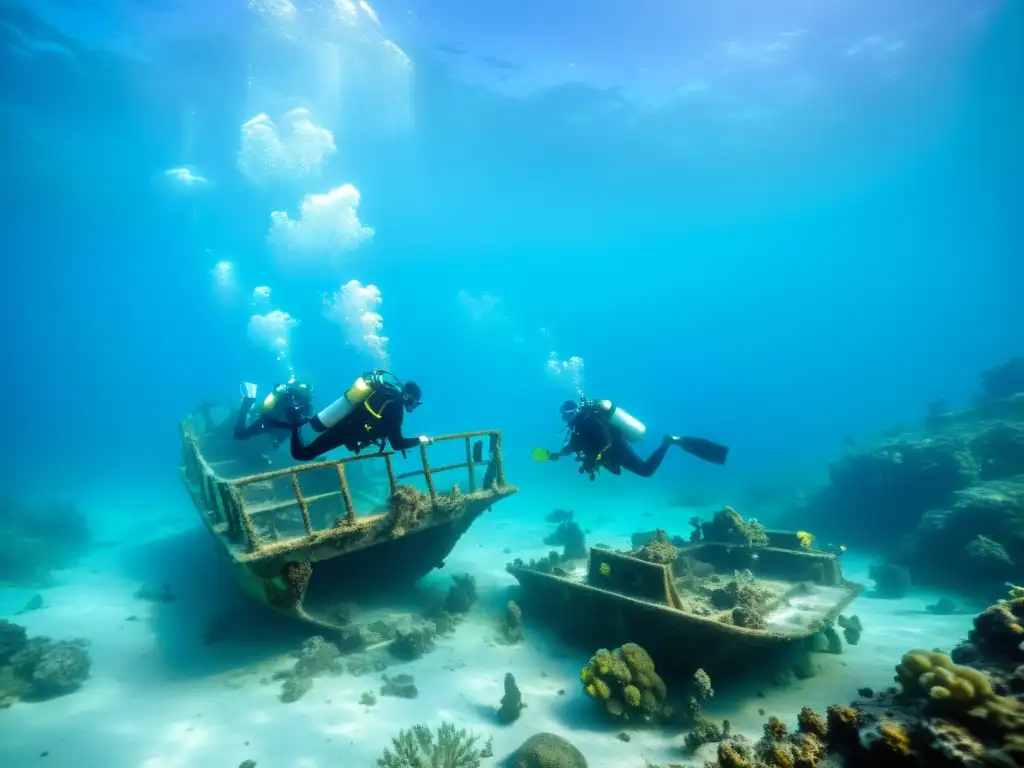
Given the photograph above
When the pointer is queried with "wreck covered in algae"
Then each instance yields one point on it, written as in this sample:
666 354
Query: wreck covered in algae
279 527
703 603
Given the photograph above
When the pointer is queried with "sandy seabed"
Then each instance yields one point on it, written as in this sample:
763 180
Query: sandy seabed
159 698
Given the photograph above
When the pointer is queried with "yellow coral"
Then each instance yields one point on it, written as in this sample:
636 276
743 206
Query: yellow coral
805 539
895 738
591 691
1015 592
603 691
586 675
606 570
632 695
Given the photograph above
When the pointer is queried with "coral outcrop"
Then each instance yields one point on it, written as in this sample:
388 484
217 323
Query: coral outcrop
317 657
944 715
511 703
546 750
36 669
728 526
625 682
512 624
948 495
570 537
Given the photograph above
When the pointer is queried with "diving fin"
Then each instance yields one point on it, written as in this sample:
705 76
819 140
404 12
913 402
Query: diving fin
703 449
541 454
248 390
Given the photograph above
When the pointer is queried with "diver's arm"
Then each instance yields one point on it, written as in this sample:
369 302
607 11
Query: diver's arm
319 445
394 432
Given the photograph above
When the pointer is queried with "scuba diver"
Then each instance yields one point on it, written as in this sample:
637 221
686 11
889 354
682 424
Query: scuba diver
286 402
369 413
600 433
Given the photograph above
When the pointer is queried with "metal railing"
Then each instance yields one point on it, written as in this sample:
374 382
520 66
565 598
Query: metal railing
225 502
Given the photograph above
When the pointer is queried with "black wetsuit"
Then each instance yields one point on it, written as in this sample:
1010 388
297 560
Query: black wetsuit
377 419
602 445
263 424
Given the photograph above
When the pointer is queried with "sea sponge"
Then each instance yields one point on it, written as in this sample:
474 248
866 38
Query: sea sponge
658 550
809 721
893 739
805 539
625 682
605 569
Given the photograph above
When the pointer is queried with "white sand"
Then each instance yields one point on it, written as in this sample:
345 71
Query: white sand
153 702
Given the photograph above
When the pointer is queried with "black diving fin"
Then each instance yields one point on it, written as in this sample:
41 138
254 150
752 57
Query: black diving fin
704 449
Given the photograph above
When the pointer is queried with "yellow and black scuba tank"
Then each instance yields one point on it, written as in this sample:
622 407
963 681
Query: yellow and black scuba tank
371 391
289 395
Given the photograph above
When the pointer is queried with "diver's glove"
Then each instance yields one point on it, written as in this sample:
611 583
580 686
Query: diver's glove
248 391
424 440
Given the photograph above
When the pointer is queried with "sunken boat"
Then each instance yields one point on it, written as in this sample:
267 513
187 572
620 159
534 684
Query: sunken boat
723 599
348 525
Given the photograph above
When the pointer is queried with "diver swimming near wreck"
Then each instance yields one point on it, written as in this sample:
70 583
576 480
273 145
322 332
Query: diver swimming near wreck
287 402
370 412
600 433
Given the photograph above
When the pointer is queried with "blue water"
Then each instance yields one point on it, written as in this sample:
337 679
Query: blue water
778 225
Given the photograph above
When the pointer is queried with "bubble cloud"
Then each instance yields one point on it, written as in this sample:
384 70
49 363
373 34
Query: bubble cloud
261 295
328 224
289 153
273 332
567 373
354 308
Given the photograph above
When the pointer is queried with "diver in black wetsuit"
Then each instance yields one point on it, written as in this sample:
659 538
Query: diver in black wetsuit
600 435
370 413
286 402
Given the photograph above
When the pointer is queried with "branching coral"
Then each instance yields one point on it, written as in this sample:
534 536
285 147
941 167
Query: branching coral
624 682
418 748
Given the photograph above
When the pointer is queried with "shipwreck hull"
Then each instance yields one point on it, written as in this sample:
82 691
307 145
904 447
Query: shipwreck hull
283 529
615 598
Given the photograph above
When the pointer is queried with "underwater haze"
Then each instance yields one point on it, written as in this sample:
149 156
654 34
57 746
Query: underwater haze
791 228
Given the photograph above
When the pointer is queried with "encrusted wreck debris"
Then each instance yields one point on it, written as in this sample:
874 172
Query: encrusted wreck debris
279 528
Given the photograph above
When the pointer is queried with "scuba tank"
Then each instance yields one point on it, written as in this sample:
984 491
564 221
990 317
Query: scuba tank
342 407
361 389
630 428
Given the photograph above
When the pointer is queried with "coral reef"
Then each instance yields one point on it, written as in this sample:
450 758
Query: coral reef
36 541
36 669
420 748
511 703
316 657
546 750
745 598
729 526
948 495
945 714
400 686
512 624
570 537
658 550
625 682
413 644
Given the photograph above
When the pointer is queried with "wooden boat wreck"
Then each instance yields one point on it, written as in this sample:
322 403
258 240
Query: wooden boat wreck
281 527
706 604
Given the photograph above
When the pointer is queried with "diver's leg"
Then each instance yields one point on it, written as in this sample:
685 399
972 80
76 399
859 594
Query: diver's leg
628 460
319 445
